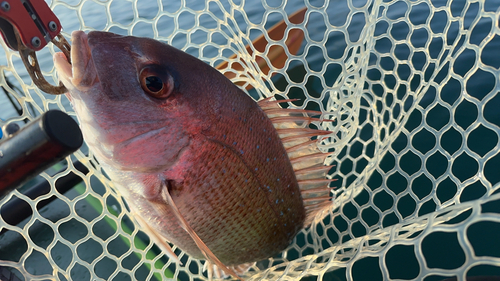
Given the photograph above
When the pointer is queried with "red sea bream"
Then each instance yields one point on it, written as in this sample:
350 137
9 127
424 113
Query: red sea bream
201 164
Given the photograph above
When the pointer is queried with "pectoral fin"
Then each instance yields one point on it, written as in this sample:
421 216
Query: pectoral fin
158 239
201 245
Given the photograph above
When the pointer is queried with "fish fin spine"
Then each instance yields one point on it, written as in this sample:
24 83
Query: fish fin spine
314 169
301 144
312 210
307 185
268 103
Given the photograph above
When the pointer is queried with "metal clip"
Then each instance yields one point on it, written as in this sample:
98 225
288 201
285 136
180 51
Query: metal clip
28 26
34 21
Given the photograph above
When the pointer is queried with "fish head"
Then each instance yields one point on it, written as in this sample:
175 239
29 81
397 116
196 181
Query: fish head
139 101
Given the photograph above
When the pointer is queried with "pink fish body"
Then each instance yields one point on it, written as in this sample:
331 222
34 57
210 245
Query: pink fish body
198 161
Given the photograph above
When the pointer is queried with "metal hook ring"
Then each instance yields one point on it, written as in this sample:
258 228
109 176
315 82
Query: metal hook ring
33 67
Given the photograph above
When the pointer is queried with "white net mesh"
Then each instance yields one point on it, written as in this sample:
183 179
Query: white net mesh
413 86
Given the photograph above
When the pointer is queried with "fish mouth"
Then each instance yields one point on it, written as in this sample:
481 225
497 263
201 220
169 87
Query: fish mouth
81 73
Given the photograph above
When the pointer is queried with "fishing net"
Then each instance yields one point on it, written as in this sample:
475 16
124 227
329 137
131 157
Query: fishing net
413 87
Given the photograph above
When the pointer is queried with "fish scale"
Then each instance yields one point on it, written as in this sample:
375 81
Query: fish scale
263 150
237 201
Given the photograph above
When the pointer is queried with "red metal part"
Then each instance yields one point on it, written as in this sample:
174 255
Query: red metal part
32 19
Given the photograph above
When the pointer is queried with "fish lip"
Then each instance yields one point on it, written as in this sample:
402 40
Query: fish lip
84 71
63 68
81 74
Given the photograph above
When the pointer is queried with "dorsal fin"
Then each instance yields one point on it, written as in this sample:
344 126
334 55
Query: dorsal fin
201 245
307 160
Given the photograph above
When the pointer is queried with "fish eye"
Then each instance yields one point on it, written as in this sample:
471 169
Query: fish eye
155 82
